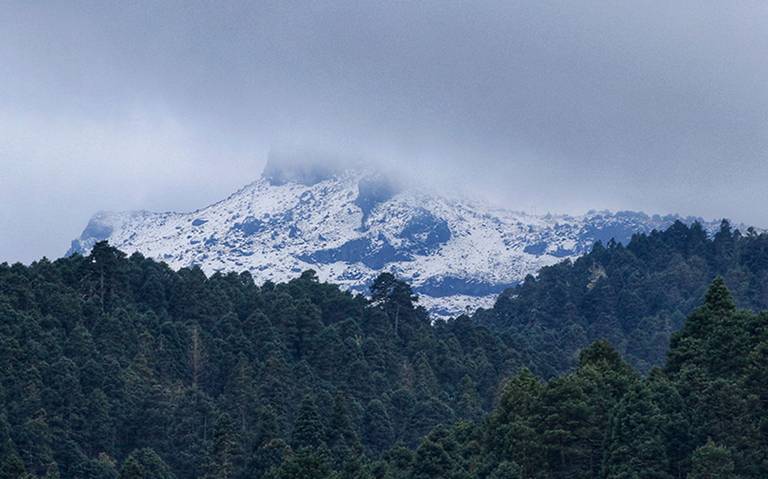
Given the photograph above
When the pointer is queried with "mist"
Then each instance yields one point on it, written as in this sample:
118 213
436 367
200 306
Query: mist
535 106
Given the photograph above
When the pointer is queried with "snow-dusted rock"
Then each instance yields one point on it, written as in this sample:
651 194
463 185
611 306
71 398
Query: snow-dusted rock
351 225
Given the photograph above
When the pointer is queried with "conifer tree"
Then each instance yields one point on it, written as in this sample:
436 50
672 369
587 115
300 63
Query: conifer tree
713 320
267 426
243 393
342 437
11 465
306 463
507 470
674 423
145 464
635 445
432 461
225 453
308 428
101 468
377 428
469 406
512 426
132 469
267 457
426 384
711 461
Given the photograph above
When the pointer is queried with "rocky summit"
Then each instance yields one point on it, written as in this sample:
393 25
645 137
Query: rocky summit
350 224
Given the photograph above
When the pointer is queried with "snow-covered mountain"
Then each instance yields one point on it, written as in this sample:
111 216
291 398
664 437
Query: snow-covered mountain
349 225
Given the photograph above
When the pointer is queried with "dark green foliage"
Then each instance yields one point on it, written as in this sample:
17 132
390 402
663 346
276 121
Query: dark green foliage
507 470
674 421
469 406
634 296
341 435
303 464
602 420
377 428
308 430
513 430
712 462
101 468
11 465
145 464
635 444
432 461
105 355
114 366
224 453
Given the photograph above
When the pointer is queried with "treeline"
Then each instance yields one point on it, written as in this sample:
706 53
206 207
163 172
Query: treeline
119 367
634 296
111 363
703 416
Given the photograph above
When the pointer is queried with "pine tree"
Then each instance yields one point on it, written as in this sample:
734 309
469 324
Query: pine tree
605 379
308 428
101 432
101 468
267 426
243 393
567 427
432 461
469 406
712 462
34 439
145 464
11 465
674 423
402 402
192 425
512 426
714 320
275 385
718 298
224 454
306 331
132 469
426 384
306 463
342 437
635 445
266 457
427 414
507 470
377 428
396 299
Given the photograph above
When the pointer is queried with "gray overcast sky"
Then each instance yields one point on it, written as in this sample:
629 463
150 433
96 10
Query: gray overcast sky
540 106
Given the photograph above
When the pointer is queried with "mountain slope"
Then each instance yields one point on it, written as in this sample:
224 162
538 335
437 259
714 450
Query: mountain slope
349 225
634 296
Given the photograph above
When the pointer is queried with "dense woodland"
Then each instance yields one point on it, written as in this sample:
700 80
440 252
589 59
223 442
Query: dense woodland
119 367
634 296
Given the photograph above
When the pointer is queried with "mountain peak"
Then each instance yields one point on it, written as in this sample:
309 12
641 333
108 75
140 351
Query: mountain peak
349 224
305 167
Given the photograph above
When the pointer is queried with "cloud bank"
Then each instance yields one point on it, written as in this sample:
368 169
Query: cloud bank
538 106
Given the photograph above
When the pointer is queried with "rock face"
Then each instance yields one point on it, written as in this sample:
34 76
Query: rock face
349 225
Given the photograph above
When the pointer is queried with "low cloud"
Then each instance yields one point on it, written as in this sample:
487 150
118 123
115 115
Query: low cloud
538 106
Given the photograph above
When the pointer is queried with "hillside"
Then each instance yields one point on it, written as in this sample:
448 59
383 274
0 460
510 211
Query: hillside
121 368
106 354
634 296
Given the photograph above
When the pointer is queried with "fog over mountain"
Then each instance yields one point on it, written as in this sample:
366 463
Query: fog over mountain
349 223
533 106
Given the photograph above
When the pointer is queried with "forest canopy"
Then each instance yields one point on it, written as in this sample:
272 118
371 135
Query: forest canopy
114 366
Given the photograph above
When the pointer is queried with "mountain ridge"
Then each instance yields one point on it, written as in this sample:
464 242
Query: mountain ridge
350 224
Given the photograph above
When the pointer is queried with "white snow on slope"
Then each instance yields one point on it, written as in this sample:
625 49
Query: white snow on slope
350 226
